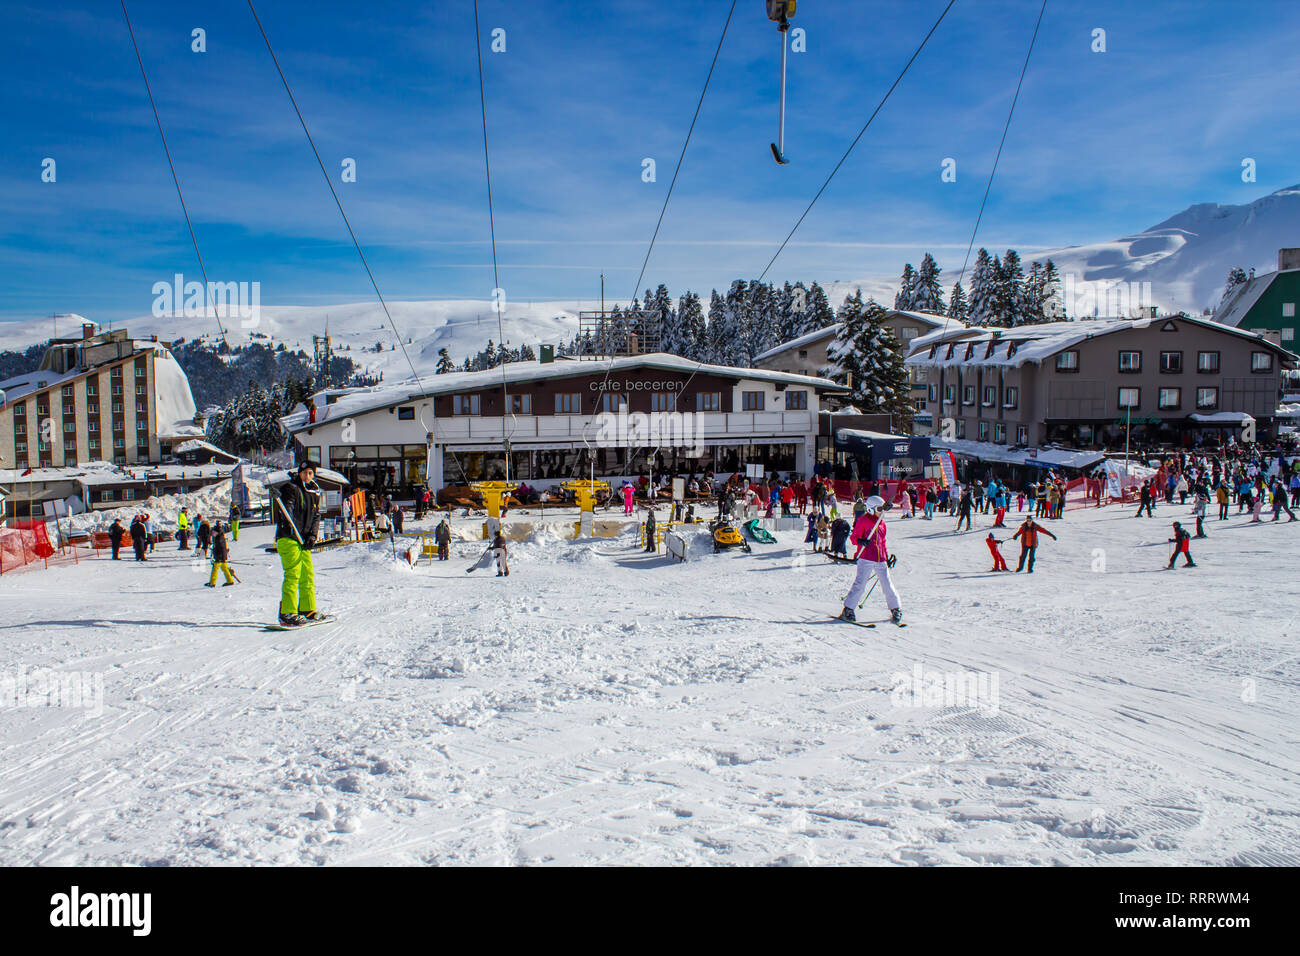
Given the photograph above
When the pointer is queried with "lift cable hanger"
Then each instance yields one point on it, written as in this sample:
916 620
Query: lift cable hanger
780 11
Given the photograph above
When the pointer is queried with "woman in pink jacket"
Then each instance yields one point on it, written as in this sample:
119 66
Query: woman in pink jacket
628 492
873 559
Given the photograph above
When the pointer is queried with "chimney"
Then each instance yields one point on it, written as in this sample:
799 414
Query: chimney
1288 259
154 337
87 330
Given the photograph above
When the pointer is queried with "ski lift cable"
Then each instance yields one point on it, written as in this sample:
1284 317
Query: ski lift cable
856 139
699 105
993 172
175 178
496 281
357 245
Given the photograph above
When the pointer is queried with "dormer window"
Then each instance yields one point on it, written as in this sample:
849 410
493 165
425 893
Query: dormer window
970 351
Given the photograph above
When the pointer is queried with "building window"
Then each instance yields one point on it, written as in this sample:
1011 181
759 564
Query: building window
961 428
1288 335
990 396
20 447
1170 398
803 353
117 389
1011 396
67 391
1261 361
464 404
119 426
119 442
520 404
1000 433
115 372
139 389
70 444
142 409
20 409
708 402
109 494
968 395
796 401
568 403
751 401
1130 398
933 393
42 411
91 390
406 414
613 402
69 427
128 494
1022 434
92 426
1067 361
919 405
949 394
1171 362
983 431
94 444
661 401
1288 310
92 408
1130 361
1207 363
20 427
1207 399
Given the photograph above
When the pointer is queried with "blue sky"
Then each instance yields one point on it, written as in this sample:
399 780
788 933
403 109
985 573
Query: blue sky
1102 144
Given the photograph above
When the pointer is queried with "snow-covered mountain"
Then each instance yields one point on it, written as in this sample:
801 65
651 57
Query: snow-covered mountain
1186 258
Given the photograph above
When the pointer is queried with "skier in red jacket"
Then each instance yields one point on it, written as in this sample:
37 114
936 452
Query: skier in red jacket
999 563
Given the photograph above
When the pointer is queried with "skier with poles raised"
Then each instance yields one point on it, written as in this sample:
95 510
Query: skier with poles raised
873 560
297 521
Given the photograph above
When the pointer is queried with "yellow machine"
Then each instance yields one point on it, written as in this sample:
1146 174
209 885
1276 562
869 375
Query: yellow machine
493 493
726 535
584 493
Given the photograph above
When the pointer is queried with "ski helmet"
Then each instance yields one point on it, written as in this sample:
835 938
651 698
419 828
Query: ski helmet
874 504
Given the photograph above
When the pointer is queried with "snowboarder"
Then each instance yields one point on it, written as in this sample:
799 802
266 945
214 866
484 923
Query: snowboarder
115 535
1028 533
220 558
999 563
442 536
499 551
873 559
1182 542
297 522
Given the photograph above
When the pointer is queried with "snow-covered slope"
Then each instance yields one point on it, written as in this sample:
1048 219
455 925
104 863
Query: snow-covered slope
1186 258
601 705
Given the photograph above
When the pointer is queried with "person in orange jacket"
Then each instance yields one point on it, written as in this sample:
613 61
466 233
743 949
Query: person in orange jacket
1028 533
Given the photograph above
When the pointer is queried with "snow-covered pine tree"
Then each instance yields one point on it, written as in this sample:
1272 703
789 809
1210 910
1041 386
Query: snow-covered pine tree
957 303
819 315
1012 290
1236 276
445 364
1053 300
662 308
847 348
690 327
1035 284
983 290
782 308
927 293
718 331
760 322
907 289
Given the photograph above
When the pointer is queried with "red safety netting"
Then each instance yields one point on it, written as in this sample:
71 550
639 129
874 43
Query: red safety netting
23 543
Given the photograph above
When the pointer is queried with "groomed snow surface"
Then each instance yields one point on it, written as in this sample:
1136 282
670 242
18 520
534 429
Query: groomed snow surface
605 706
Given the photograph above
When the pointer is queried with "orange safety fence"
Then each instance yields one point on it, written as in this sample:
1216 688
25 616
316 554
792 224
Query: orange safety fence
25 543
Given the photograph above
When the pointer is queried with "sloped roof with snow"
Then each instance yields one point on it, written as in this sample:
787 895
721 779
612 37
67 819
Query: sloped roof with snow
1244 298
925 318
382 396
1036 343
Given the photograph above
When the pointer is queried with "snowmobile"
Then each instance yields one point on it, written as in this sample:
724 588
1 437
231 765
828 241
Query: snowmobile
761 535
726 536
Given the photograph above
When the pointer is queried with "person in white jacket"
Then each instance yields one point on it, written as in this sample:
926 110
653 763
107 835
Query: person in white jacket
873 560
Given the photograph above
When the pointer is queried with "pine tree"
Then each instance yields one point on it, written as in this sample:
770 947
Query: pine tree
868 358
690 327
1011 291
927 293
819 314
907 290
1034 295
957 304
445 363
715 350
983 292
849 345
1236 276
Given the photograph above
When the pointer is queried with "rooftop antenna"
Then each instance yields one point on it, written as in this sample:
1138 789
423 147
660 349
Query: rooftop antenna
780 11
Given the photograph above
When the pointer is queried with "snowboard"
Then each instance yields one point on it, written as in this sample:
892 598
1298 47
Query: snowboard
277 626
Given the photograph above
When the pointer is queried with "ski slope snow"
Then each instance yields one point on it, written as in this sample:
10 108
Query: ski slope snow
602 705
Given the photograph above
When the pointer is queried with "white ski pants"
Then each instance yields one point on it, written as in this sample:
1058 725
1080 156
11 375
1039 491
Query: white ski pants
865 570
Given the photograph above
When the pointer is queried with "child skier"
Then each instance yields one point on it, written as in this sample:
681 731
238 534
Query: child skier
1182 542
873 559
999 563
220 558
840 530
628 492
